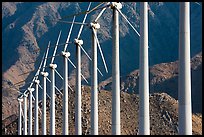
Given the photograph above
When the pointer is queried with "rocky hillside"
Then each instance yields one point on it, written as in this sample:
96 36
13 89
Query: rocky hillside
164 78
163 114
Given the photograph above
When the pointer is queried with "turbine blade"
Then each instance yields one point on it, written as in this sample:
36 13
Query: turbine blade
69 22
99 15
55 86
70 88
32 82
62 78
83 21
58 90
19 92
75 66
56 47
71 63
100 72
65 43
38 71
128 21
40 86
85 52
40 111
22 112
46 57
47 95
197 3
48 79
101 52
65 47
33 97
83 12
59 74
84 79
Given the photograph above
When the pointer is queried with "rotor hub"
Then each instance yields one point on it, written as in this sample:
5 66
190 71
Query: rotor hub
118 5
45 74
78 42
31 89
95 25
53 66
25 95
37 81
66 54
20 99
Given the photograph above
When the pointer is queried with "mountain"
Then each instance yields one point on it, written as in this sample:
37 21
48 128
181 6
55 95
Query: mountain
163 77
163 114
27 28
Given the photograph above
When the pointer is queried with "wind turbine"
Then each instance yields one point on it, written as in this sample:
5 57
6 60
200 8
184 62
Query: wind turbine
44 74
20 100
22 96
25 114
78 43
116 6
144 126
94 79
36 124
52 105
30 110
184 90
65 56
37 82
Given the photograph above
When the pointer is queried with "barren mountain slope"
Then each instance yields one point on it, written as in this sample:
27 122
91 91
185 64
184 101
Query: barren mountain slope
164 78
163 114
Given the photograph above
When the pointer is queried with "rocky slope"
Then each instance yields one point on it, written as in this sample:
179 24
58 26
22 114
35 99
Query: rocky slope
163 114
164 78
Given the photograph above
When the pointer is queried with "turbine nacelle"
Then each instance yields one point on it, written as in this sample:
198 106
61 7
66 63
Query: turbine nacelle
95 25
45 74
66 54
118 5
31 89
25 95
20 99
78 42
37 81
53 66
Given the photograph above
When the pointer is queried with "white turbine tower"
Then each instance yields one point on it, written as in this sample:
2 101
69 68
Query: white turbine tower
78 43
30 110
116 6
36 124
144 126
37 84
115 71
94 77
66 93
52 105
184 90
25 114
94 85
44 74
20 100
